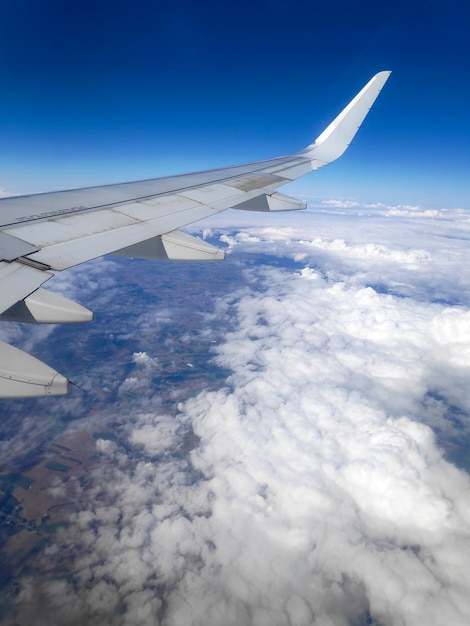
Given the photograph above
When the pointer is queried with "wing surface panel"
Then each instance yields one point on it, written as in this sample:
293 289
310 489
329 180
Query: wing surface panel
78 250
17 209
17 281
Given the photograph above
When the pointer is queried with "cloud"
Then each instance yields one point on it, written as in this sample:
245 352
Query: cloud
402 210
313 485
371 251
418 256
319 469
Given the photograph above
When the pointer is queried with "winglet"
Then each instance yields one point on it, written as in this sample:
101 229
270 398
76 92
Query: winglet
334 140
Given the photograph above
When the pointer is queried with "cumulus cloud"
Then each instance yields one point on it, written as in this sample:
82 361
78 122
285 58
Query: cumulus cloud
402 210
371 251
411 256
313 486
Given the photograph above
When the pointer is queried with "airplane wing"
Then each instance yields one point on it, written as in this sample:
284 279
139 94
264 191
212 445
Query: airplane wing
44 233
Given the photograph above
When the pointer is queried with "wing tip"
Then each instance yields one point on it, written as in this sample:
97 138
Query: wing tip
328 146
383 75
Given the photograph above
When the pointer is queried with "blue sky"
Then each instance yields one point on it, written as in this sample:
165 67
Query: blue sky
96 92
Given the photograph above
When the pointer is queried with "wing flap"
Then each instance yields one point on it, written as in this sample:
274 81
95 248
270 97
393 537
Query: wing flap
68 240
80 249
11 247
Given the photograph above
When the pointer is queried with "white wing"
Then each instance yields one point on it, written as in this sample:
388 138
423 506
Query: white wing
54 231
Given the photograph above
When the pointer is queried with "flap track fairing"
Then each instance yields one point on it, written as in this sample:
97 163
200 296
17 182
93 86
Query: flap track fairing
23 376
173 246
272 202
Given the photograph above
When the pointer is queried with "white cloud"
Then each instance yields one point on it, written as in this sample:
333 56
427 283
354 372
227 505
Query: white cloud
310 488
415 257
401 210
313 453
343 204
370 251
143 430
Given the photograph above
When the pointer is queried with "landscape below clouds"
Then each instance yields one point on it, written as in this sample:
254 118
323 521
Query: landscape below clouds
316 473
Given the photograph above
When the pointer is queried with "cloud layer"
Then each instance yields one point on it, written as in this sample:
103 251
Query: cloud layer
314 486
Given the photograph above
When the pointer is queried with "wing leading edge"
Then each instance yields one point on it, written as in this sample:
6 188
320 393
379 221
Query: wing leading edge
54 231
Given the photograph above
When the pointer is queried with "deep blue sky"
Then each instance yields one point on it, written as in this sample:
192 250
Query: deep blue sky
95 92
